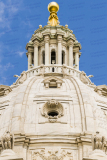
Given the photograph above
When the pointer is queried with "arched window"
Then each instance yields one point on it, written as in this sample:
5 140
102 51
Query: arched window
63 57
43 57
53 57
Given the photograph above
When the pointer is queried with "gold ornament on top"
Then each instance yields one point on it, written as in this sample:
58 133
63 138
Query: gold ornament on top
53 8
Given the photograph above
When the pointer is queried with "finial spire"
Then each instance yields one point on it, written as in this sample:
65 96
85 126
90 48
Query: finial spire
53 8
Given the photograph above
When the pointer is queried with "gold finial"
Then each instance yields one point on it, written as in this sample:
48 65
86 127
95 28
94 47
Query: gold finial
53 8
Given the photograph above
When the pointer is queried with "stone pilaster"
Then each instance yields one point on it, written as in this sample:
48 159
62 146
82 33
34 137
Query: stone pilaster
36 44
59 38
46 50
80 151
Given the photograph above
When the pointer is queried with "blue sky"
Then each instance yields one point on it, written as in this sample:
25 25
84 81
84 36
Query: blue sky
19 20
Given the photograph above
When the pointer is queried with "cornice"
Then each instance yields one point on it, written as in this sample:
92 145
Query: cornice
76 49
77 45
27 140
35 37
69 37
29 45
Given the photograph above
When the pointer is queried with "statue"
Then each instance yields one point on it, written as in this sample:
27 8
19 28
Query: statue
83 77
99 141
104 142
23 77
6 140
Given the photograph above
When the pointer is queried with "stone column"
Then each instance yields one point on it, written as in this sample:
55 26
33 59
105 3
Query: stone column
59 54
71 53
46 50
36 53
29 60
77 60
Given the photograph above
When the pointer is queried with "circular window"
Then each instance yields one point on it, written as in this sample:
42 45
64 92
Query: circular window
53 113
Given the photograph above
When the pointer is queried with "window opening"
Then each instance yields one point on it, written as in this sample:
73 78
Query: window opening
43 58
53 69
53 113
63 57
53 57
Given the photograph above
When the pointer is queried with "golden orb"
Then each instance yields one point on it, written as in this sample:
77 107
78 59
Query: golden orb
53 7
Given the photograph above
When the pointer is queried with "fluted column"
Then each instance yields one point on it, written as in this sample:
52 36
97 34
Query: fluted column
77 60
46 50
29 60
36 53
71 54
59 49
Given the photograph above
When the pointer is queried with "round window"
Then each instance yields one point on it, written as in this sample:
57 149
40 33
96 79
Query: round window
53 113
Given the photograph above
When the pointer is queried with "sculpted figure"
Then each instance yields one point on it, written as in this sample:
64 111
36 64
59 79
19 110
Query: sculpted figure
83 77
103 142
6 141
99 141
23 77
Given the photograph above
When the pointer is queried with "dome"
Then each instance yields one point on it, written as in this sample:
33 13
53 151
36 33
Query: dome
53 110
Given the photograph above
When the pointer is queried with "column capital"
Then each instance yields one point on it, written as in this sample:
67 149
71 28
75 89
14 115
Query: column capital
70 43
76 49
28 53
46 38
59 38
30 49
36 43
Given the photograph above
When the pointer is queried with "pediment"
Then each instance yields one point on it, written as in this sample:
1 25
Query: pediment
53 82
54 79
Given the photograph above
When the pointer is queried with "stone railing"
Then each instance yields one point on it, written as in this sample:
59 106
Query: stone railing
53 69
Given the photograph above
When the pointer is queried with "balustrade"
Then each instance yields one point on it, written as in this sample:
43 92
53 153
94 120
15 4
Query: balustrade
59 69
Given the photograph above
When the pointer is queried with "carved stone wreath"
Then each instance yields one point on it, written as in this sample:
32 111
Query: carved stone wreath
52 155
52 110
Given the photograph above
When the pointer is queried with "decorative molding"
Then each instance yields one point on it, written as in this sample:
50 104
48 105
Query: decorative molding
53 81
36 43
52 106
53 155
4 90
101 90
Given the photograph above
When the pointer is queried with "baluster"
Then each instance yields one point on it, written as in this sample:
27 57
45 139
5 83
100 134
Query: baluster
38 70
50 69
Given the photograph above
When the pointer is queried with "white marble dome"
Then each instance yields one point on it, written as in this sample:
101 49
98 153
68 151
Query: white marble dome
53 110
